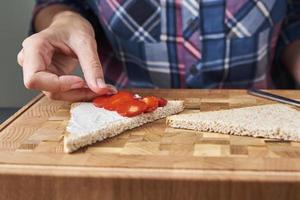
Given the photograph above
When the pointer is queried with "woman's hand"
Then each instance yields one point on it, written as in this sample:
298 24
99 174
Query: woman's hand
49 57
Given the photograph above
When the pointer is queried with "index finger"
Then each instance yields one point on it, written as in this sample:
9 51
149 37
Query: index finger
37 57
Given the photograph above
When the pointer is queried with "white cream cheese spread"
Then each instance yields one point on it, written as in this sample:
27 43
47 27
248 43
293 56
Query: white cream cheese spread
86 118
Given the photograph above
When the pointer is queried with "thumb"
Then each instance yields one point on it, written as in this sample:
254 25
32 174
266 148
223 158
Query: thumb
86 51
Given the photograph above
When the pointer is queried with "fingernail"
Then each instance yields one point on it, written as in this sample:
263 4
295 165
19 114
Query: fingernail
101 83
77 85
112 88
112 92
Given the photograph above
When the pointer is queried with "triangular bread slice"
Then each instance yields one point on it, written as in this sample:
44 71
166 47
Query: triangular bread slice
275 121
89 124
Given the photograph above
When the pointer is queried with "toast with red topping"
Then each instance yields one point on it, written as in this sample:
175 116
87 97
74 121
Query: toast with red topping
108 116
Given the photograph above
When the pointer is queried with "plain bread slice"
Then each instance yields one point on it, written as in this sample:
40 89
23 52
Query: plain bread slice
275 121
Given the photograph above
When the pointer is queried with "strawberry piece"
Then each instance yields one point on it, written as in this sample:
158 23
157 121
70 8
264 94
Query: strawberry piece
110 106
151 102
131 108
162 102
122 95
129 104
101 101
117 99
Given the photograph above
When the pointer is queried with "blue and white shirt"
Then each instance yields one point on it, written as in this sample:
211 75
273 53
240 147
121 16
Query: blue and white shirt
189 43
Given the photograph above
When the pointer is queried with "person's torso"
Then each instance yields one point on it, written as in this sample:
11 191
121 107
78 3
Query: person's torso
190 43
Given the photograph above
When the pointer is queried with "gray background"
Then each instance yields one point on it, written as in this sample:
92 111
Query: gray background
14 22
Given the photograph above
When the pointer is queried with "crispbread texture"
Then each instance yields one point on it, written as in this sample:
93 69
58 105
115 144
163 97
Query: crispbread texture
275 121
73 142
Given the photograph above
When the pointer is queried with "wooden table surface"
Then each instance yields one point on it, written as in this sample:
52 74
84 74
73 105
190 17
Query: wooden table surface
149 162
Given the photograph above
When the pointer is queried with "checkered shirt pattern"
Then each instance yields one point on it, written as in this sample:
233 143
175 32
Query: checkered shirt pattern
189 43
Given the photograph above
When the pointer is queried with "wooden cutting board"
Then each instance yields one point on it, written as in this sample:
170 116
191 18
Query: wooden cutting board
170 163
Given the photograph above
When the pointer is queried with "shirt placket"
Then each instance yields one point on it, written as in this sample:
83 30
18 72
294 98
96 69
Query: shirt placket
213 45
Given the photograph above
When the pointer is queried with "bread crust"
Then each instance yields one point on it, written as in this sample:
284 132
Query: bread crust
275 121
72 143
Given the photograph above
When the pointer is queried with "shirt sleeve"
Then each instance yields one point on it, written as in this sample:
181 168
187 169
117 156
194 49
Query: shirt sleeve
80 6
289 33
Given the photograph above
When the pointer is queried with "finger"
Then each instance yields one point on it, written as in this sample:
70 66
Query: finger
112 89
86 50
50 82
37 56
20 57
82 94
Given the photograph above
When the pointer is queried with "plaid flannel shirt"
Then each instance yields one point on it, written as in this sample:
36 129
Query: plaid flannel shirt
189 43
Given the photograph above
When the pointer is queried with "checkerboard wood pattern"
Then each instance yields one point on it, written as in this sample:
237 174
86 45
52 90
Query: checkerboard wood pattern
36 136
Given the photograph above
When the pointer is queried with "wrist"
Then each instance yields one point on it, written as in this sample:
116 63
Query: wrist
73 20
67 14
45 16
